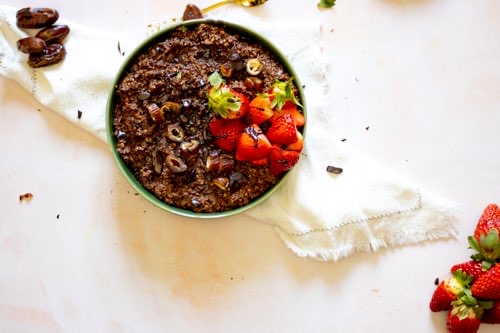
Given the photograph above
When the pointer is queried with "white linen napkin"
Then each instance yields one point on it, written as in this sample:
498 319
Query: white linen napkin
317 214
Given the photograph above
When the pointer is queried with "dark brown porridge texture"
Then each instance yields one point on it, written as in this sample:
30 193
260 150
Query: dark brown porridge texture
171 155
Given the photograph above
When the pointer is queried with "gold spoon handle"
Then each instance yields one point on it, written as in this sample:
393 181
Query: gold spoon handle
217 5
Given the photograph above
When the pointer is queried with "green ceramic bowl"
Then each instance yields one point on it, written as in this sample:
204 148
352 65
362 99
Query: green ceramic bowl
241 30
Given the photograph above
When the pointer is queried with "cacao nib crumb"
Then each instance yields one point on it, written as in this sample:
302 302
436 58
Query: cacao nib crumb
343 140
367 128
334 170
80 113
436 282
57 216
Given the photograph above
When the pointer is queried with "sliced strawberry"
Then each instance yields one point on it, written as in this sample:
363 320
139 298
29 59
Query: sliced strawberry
252 144
472 268
226 132
298 145
492 316
224 101
260 110
261 162
447 291
281 160
292 110
283 130
487 286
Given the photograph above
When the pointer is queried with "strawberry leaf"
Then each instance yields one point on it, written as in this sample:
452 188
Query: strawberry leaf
282 92
326 3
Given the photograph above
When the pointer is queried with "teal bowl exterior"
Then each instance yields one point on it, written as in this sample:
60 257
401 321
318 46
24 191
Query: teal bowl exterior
243 31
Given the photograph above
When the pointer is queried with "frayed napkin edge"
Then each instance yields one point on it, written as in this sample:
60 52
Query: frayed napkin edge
444 227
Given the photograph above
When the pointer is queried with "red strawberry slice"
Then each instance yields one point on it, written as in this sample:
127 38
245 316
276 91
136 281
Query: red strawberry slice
281 160
472 268
298 145
226 132
492 316
260 110
292 110
283 130
261 162
252 144
487 286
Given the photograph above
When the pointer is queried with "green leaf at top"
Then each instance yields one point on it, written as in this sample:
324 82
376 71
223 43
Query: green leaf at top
326 3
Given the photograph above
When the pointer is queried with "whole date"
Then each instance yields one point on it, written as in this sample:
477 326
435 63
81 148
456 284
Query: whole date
31 45
51 55
53 34
32 18
46 47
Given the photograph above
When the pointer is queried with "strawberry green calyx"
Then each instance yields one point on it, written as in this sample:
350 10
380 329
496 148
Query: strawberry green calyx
282 92
326 3
466 303
462 280
220 98
487 248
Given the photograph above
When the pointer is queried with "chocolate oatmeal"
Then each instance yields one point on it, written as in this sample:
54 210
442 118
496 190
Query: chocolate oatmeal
161 117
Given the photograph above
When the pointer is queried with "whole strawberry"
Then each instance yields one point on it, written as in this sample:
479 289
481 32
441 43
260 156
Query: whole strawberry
486 240
463 319
448 291
466 313
472 268
488 285
492 316
489 220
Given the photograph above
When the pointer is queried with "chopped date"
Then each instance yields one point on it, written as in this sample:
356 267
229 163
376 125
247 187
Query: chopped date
334 170
191 13
25 196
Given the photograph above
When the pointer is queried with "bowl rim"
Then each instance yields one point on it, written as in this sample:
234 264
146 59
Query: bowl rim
234 27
